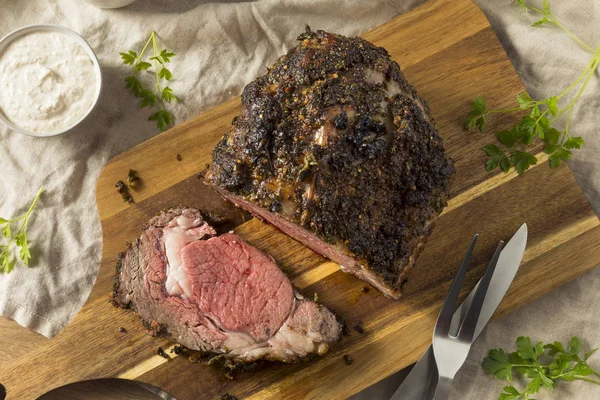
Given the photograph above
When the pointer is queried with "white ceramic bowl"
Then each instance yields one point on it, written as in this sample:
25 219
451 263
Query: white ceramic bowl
6 40
110 3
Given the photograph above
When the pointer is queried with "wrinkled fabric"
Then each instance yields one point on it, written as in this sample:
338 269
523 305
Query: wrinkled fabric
222 45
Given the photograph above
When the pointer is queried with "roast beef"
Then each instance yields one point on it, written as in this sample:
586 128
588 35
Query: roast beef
335 148
217 294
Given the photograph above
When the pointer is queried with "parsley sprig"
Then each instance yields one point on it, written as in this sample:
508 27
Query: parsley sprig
543 365
7 263
542 115
159 95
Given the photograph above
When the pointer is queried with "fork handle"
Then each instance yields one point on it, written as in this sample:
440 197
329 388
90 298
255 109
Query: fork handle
442 391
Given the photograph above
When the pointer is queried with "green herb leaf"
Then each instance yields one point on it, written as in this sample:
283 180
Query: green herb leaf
498 159
510 393
24 254
525 101
6 231
558 367
165 74
470 122
129 57
542 124
527 129
575 346
166 55
555 160
148 98
476 117
4 259
527 137
163 119
158 95
526 350
535 111
142 66
562 364
522 4
552 106
7 263
574 143
135 85
551 136
589 354
506 138
546 8
480 123
582 369
534 385
492 150
475 120
558 144
560 154
3 221
527 124
554 348
167 95
546 381
522 160
498 364
549 149
157 58
505 163
479 105
492 163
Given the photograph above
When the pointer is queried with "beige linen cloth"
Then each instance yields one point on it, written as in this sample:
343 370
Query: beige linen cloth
222 45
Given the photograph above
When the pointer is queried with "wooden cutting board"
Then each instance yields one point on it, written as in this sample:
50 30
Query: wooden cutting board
448 50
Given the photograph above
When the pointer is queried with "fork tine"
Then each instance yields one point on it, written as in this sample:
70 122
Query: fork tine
444 320
467 328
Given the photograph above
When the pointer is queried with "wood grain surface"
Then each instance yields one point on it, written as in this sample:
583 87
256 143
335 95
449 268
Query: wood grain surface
102 389
448 50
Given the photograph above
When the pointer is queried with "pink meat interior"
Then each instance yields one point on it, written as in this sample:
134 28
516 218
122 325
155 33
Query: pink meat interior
241 288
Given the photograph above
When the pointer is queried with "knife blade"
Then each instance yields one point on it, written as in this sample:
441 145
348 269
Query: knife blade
424 373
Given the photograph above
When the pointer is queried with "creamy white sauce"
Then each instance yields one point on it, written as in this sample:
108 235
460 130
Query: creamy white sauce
176 236
47 82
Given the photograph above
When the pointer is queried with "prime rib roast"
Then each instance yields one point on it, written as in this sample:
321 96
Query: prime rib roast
218 294
334 147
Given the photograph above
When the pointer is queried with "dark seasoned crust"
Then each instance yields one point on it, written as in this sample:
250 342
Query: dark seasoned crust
117 283
334 139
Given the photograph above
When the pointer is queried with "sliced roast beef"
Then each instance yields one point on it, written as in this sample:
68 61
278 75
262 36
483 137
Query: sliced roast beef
335 148
218 294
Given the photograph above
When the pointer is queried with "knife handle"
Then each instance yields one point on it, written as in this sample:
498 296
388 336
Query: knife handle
420 379
442 390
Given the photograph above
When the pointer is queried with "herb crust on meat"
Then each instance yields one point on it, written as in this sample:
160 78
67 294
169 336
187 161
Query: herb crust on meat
334 147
